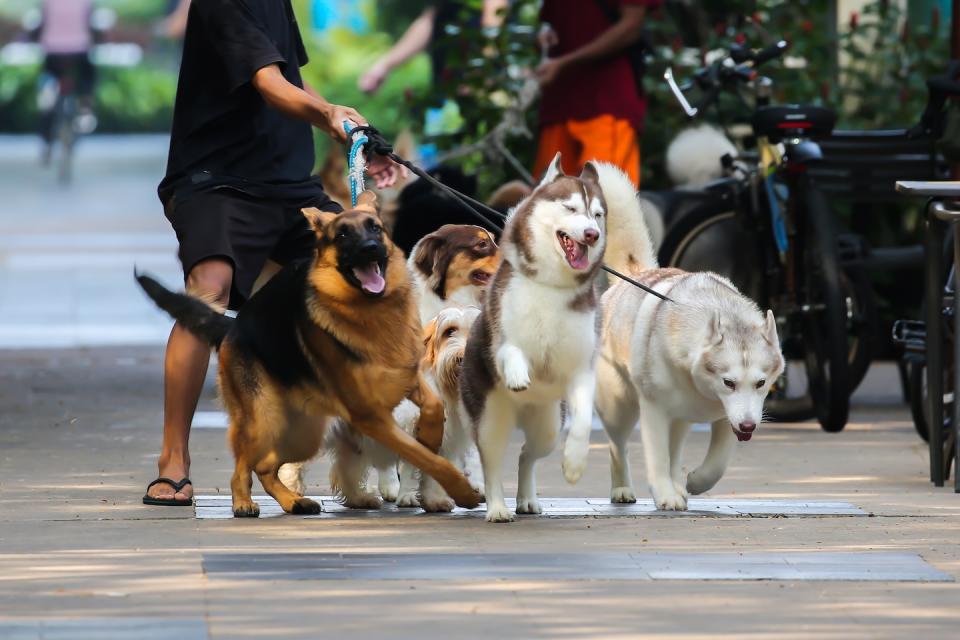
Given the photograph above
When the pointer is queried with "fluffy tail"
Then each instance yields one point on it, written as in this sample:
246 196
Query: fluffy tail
629 249
693 157
199 317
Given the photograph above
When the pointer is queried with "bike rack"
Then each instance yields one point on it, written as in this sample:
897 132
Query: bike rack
939 217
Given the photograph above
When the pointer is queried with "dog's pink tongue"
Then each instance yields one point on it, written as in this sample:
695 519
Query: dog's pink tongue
577 255
742 436
370 278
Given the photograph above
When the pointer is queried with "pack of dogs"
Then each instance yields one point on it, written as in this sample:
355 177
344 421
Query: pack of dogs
422 367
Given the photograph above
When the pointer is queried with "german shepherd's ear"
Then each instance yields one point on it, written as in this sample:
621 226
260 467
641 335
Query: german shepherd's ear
554 171
367 201
318 219
430 355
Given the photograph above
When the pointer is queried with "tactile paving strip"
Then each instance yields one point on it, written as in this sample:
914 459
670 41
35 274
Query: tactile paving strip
813 565
218 507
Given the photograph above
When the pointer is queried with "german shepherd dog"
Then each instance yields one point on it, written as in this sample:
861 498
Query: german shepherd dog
337 336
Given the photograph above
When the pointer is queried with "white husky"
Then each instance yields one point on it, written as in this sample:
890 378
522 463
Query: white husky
535 342
708 356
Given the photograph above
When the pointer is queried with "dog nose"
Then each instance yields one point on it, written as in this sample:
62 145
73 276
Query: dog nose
370 246
748 427
590 236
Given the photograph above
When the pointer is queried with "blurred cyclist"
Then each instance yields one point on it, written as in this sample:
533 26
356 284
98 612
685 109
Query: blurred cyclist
66 36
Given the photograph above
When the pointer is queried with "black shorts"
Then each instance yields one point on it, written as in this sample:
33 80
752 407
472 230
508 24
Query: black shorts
75 67
245 230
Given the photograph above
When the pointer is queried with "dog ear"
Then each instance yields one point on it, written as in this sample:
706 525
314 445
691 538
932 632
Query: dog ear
367 201
554 171
715 334
590 173
426 251
430 344
770 329
318 219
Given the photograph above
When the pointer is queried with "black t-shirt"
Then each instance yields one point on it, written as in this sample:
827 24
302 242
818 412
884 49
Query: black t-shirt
224 134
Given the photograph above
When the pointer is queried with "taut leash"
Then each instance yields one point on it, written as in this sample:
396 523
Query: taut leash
373 140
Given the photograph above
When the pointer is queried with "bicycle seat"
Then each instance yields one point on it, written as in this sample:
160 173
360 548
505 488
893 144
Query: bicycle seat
778 121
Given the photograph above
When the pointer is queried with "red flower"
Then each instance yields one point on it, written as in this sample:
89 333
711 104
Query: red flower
677 44
756 17
720 28
854 20
739 38
807 26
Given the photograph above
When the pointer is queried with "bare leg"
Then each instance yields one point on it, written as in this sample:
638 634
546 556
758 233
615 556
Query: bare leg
184 370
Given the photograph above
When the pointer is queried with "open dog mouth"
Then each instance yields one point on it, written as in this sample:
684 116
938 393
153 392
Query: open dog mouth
742 436
370 278
480 277
575 252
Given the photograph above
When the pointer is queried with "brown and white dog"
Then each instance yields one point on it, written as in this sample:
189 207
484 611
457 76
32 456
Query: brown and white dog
452 267
353 454
535 342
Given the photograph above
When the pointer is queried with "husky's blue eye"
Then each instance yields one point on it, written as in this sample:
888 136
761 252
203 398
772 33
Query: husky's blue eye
730 384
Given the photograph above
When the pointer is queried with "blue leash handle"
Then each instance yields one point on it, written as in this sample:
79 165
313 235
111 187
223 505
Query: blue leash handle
357 161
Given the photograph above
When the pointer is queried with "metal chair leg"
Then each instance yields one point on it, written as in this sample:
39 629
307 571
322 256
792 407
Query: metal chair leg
934 318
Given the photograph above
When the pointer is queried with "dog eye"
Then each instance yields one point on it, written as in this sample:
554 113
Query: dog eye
341 235
449 332
760 383
730 384
482 245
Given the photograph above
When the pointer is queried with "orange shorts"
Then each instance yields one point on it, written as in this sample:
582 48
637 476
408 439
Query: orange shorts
603 138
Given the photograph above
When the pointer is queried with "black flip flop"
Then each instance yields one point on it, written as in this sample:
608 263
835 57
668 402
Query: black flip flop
173 502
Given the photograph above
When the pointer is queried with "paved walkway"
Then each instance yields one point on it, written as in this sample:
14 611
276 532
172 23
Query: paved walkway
77 440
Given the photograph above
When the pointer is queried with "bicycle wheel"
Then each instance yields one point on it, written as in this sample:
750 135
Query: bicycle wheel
824 313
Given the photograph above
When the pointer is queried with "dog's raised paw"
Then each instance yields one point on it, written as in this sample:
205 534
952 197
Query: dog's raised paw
574 461
499 514
516 376
529 505
623 495
246 510
305 507
409 499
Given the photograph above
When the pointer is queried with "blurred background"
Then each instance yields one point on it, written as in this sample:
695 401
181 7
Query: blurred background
69 237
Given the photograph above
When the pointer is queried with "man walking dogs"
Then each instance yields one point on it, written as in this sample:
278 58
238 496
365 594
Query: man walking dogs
238 173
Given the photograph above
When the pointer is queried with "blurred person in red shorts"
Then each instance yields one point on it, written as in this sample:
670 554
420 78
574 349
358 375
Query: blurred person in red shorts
592 107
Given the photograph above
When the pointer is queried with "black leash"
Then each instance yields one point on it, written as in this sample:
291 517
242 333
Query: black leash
376 143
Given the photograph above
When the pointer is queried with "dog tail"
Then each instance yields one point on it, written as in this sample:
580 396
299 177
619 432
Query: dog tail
693 157
199 317
629 248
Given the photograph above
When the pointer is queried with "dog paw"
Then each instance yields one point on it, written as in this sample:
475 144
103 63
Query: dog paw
574 460
669 500
499 514
623 495
248 509
437 504
408 499
681 489
363 501
698 484
516 375
305 506
529 505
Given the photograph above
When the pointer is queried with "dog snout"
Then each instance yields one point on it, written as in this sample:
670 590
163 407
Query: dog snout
590 236
369 248
748 426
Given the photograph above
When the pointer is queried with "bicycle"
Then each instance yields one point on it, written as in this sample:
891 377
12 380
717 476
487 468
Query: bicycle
769 229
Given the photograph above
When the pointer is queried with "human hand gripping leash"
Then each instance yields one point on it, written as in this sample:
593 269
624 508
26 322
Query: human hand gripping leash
367 139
